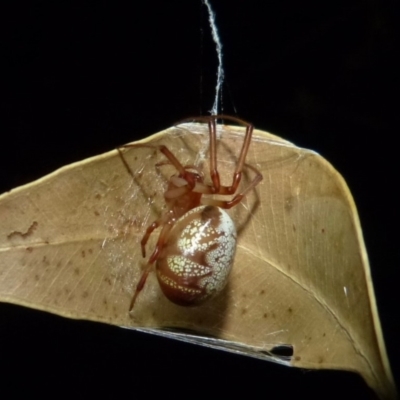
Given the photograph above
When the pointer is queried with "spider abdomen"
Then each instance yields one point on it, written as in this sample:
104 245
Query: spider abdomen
197 256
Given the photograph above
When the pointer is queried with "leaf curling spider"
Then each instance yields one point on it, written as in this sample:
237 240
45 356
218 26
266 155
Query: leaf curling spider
196 246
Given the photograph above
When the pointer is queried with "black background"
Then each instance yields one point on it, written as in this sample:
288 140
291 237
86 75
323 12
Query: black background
83 77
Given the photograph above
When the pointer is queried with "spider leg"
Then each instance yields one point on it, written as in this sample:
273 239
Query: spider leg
160 243
166 218
163 149
210 120
140 285
236 199
146 236
213 154
237 175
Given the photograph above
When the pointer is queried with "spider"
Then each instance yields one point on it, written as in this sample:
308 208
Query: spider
196 246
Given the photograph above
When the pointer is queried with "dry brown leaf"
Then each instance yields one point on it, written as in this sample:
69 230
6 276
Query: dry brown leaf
69 244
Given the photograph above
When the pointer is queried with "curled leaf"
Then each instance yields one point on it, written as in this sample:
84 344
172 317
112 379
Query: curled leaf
69 244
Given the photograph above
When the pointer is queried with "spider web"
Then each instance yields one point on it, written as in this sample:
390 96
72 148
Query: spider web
218 48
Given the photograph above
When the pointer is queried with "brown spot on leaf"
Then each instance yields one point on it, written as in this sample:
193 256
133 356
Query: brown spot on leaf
29 232
29 249
83 253
288 204
76 271
85 294
96 213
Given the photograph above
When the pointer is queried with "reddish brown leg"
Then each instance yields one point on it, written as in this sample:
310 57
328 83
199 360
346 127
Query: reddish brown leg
213 155
146 236
124 161
238 198
160 243
172 159
164 149
140 285
164 219
237 175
